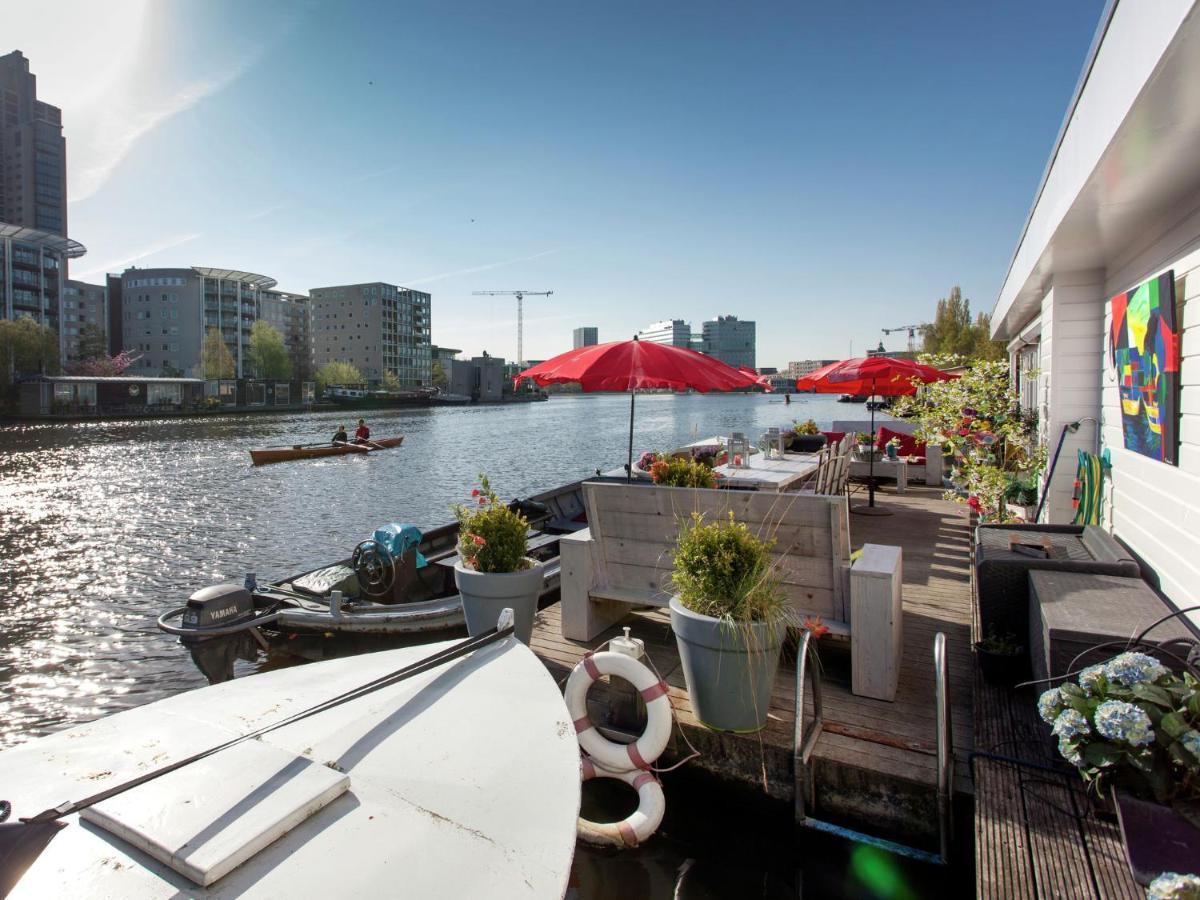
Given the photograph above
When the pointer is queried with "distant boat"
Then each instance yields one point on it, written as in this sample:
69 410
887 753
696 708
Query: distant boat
460 780
312 451
360 398
851 398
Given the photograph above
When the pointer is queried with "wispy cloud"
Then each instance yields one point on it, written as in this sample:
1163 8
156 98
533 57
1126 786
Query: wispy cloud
117 265
268 211
483 268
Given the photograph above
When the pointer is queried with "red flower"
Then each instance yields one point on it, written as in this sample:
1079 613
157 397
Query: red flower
816 626
475 492
974 503
477 540
964 432
482 500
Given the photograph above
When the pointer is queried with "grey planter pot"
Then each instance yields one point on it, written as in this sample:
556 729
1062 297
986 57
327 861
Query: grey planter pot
729 671
485 594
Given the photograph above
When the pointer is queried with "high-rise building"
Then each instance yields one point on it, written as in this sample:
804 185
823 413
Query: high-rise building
377 328
165 314
586 336
33 274
33 153
289 314
730 340
83 305
675 332
800 368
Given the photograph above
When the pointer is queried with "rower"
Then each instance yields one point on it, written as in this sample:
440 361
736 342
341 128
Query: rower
362 434
340 437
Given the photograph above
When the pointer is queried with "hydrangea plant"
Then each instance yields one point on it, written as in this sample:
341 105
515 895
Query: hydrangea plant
1131 722
1173 886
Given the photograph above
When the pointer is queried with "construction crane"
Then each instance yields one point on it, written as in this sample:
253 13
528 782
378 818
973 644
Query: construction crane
912 334
520 295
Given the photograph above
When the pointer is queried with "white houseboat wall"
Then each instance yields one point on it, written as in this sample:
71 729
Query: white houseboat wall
1118 206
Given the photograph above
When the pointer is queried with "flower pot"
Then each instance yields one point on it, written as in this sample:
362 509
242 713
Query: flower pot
729 670
1002 669
485 594
893 452
1156 838
807 443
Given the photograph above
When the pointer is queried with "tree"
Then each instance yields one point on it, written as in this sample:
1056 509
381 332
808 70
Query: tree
26 348
337 373
103 366
953 331
437 373
93 342
390 381
268 355
215 359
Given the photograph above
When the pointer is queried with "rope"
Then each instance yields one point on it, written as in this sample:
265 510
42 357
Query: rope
423 665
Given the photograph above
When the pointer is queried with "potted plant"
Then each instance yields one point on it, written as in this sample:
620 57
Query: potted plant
1001 658
808 437
1132 726
863 445
1021 497
493 571
729 619
685 472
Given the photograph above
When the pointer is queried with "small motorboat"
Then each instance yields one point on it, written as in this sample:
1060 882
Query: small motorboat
851 398
397 582
442 770
312 451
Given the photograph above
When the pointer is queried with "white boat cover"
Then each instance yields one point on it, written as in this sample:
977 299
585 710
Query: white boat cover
464 782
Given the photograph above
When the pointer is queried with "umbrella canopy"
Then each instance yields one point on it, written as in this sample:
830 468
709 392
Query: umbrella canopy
883 375
630 365
871 375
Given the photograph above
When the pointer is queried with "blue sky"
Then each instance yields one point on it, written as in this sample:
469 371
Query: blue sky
826 170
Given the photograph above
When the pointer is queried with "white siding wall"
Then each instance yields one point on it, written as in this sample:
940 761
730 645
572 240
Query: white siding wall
1153 507
1072 348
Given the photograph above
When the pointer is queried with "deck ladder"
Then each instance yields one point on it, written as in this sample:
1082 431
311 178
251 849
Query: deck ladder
806 741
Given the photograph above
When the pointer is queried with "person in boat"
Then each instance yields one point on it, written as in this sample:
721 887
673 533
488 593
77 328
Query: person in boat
340 437
787 398
362 434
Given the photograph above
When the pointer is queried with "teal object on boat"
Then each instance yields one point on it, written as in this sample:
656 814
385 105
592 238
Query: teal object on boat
399 539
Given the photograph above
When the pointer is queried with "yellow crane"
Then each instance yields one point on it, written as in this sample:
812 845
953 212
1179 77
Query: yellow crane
520 295
912 334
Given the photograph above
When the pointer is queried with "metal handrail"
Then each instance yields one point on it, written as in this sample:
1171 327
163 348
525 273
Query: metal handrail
805 743
945 745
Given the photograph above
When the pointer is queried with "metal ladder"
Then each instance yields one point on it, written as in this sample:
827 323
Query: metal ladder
806 741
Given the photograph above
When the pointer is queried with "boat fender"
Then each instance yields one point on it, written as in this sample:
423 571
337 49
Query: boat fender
609 754
640 824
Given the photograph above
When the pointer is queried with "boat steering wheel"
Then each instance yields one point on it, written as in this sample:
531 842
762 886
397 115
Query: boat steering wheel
374 567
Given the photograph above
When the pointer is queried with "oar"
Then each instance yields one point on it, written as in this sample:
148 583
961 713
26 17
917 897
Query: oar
376 446
358 448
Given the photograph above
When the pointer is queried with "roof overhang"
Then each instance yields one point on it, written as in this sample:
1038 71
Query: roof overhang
1123 169
262 282
45 240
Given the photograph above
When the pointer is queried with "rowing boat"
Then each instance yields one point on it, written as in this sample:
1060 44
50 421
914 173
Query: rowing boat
300 451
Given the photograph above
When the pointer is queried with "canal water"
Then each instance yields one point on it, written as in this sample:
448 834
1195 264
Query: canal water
103 525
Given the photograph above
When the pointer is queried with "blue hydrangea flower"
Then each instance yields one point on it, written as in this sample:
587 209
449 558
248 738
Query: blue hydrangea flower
1070 754
1121 721
1172 886
1050 704
1091 679
1191 742
1071 723
1133 668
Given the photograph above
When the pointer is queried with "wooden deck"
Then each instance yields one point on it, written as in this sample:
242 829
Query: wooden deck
875 764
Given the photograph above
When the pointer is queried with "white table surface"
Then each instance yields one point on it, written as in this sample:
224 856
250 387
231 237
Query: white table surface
771 474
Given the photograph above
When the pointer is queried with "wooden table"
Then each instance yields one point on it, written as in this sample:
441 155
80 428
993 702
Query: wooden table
884 468
770 474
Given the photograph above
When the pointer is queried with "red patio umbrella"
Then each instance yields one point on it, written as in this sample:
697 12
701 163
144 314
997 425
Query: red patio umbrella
629 365
883 375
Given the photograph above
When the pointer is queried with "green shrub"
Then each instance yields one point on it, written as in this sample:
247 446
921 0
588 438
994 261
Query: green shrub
491 537
809 427
724 571
682 473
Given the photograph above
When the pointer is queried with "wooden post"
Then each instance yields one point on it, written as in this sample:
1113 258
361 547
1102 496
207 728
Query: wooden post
876 622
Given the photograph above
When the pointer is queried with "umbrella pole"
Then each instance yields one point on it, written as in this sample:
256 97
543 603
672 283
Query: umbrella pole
629 464
871 509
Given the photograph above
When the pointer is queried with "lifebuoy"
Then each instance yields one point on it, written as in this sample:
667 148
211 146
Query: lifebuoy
636 827
610 755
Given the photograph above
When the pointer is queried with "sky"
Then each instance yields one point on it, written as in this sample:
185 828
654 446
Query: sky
827 170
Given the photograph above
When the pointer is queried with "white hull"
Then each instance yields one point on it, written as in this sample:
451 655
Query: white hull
464 782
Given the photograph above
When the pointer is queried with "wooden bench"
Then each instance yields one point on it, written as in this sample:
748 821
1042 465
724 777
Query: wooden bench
625 556
930 473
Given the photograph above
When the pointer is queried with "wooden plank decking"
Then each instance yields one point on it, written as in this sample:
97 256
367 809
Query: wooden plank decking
875 762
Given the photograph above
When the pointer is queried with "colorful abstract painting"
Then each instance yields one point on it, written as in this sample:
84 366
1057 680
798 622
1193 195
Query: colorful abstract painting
1144 350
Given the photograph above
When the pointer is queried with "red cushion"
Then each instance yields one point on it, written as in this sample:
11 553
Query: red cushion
909 445
832 437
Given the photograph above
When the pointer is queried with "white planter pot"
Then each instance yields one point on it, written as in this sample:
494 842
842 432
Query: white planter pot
485 594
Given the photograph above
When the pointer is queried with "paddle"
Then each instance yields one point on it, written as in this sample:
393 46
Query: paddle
358 448
375 445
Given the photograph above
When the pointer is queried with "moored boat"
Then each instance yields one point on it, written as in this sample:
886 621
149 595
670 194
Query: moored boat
313 451
460 780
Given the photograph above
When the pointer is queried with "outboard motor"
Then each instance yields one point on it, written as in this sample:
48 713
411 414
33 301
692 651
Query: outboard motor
218 604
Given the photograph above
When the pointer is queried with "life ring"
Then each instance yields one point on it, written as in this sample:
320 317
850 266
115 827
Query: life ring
609 754
640 824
